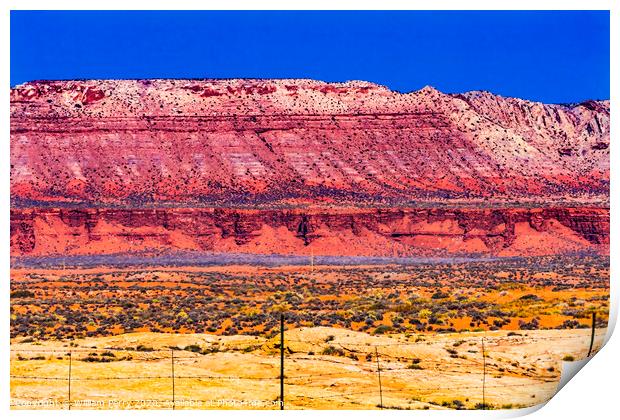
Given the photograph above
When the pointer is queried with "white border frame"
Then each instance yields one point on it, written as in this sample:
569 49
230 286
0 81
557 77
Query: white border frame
565 405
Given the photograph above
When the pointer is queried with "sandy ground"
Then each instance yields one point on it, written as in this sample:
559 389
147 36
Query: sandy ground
325 368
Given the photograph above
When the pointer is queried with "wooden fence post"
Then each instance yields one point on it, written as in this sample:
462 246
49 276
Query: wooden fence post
173 389
379 373
484 376
69 398
592 336
281 361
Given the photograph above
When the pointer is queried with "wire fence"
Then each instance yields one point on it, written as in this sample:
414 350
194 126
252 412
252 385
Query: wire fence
465 379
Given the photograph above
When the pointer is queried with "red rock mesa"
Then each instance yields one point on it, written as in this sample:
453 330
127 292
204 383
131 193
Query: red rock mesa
299 166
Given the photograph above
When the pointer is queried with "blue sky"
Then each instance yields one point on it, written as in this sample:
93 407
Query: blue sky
554 56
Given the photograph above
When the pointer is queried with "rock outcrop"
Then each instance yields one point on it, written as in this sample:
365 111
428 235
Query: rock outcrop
362 232
286 142
301 167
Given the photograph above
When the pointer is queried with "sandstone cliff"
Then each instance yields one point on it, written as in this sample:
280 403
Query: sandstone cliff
291 142
374 232
301 167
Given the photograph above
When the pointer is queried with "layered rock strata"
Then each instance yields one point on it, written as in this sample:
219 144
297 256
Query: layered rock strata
302 167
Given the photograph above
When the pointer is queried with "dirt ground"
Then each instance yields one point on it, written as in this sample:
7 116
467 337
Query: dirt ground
325 368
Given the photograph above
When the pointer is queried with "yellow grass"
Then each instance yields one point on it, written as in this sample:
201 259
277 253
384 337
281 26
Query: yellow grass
522 370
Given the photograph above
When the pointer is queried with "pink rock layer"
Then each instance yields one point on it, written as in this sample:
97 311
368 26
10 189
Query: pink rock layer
291 142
